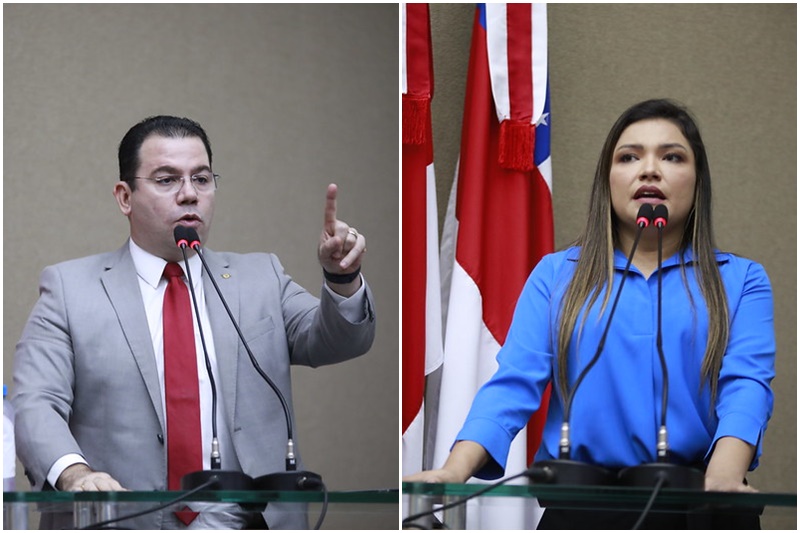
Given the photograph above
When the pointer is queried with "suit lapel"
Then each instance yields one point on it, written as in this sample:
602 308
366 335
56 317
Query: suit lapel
121 285
226 341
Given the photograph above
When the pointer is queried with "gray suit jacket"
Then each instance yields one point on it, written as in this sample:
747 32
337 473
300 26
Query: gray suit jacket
85 373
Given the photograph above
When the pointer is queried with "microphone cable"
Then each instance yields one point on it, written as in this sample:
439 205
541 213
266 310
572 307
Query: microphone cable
216 460
324 511
100 525
533 472
660 216
643 219
207 484
290 479
656 489
291 464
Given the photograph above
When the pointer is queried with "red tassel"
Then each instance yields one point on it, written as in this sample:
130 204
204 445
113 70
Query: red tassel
516 145
416 117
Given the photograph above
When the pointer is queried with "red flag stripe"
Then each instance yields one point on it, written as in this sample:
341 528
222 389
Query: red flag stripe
414 265
520 68
419 57
418 65
422 342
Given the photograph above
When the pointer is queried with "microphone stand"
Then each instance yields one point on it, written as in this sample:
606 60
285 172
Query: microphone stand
291 479
223 479
662 471
564 471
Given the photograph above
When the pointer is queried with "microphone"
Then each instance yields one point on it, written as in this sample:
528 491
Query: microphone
291 479
662 472
181 240
660 216
226 480
564 470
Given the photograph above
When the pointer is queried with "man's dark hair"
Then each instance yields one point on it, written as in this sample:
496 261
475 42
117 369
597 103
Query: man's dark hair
165 126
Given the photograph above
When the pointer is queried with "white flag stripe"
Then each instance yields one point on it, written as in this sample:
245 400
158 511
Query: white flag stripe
412 444
497 50
539 58
546 168
447 254
476 349
466 355
403 55
433 299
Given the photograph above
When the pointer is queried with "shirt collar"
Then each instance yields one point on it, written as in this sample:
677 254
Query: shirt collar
620 260
151 268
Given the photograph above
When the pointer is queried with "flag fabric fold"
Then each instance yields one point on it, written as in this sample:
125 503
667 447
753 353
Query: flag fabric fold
421 317
517 52
499 223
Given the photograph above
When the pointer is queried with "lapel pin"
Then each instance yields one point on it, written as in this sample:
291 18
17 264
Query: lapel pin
225 275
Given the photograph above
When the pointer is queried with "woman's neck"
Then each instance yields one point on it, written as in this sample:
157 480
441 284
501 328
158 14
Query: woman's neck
646 258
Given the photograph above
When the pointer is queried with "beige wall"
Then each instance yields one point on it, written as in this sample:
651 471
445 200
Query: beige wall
292 97
735 67
296 97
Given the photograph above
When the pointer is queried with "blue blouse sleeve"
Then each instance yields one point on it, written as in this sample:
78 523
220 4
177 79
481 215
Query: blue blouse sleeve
506 402
744 397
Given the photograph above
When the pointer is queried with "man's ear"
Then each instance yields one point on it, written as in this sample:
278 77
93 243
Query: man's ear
122 193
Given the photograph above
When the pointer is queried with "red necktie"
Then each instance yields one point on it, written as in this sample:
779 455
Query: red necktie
184 441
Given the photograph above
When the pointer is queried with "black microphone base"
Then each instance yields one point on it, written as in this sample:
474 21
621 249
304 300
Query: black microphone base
225 480
568 472
674 476
302 480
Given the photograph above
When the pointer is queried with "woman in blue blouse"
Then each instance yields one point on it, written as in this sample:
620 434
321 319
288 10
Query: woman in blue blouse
717 328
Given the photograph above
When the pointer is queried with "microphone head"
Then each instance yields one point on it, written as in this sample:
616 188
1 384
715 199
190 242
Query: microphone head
645 216
181 236
186 236
194 238
660 215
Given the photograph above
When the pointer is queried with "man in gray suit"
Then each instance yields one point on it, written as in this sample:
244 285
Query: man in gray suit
89 368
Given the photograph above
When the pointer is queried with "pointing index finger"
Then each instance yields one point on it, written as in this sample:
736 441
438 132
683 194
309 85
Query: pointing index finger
330 209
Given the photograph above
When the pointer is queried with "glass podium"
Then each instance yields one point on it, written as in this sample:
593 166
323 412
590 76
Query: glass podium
423 497
365 509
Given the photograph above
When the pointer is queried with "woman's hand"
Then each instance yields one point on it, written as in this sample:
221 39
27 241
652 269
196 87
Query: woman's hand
433 476
723 484
465 458
728 466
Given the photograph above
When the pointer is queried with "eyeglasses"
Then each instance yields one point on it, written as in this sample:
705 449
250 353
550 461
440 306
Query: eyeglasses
171 184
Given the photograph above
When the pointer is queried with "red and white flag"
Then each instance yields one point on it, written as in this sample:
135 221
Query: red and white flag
499 223
422 322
